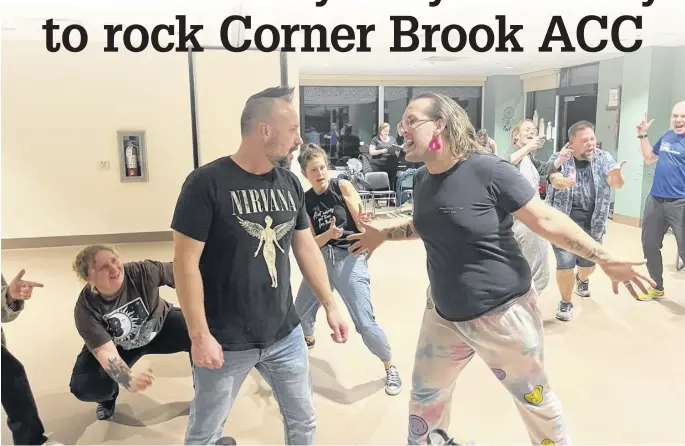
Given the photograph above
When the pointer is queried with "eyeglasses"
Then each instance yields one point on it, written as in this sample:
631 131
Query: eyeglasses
404 125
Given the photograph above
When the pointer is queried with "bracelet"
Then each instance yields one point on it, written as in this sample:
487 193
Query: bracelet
642 136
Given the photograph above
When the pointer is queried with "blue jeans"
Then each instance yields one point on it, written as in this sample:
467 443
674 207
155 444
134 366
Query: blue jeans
284 366
400 177
349 275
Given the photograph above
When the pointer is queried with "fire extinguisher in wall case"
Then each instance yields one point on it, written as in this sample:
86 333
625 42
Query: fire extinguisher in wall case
131 153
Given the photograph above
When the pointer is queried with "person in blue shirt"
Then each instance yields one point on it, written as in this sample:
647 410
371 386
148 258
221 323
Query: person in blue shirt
665 205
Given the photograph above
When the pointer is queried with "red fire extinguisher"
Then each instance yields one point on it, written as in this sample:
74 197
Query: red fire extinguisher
131 153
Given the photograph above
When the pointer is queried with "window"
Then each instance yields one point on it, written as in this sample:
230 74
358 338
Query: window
397 98
340 119
541 109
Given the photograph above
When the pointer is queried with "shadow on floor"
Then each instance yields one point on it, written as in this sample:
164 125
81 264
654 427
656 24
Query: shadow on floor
326 384
79 416
673 307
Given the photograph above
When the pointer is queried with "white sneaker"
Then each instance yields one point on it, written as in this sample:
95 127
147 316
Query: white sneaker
393 383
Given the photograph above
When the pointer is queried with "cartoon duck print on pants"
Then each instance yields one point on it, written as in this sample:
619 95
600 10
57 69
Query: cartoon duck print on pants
535 396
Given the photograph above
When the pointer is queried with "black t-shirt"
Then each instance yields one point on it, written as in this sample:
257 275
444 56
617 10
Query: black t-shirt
583 205
322 208
464 218
246 222
380 144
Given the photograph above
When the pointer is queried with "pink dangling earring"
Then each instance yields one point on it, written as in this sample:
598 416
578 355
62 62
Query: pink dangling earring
434 144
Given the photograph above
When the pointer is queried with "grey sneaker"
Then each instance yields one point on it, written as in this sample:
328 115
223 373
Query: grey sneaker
582 287
393 383
565 311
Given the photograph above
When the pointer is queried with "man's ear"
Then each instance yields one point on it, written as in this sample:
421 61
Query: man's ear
264 130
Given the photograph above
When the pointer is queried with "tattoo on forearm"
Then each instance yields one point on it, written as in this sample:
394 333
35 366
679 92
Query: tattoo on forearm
119 372
592 254
401 233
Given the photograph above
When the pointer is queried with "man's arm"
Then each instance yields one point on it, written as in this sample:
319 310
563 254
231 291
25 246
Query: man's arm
189 288
402 231
313 267
648 151
560 230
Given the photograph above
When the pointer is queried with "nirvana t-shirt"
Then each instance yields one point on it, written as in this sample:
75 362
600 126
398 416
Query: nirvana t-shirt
246 222
463 217
322 208
134 315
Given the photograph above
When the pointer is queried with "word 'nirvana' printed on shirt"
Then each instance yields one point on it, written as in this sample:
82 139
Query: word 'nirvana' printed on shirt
253 201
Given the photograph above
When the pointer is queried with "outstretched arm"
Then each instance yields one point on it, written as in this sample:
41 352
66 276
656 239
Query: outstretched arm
110 360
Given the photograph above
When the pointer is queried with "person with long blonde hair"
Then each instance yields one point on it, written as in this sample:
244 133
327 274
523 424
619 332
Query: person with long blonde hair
525 142
480 299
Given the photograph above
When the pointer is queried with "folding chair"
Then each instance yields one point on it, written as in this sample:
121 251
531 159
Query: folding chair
380 188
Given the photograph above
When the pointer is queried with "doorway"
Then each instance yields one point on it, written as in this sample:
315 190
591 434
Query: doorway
575 104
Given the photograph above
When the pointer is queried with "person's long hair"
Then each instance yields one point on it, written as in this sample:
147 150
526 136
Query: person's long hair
516 130
459 133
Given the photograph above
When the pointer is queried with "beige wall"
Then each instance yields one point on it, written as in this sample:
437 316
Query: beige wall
60 115
224 81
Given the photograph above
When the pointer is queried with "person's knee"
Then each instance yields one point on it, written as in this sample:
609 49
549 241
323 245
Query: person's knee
90 389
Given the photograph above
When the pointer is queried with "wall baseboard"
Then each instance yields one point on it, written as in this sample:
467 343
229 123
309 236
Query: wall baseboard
626 220
79 240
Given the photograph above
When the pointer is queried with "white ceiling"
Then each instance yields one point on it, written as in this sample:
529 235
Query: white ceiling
662 26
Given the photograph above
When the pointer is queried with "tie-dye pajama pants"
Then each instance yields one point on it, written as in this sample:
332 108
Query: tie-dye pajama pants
510 341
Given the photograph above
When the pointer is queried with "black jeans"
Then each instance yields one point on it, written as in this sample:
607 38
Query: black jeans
91 383
659 214
18 402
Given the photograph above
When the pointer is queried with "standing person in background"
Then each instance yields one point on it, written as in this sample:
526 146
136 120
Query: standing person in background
535 248
487 142
587 203
383 157
333 208
665 205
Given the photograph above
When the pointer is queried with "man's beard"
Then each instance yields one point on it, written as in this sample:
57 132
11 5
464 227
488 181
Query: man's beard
283 162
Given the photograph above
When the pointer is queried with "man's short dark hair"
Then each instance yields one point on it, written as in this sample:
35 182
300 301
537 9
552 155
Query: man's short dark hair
578 126
261 104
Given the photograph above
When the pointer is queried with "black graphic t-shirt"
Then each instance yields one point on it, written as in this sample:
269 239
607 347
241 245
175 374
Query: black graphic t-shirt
322 208
132 317
463 217
246 222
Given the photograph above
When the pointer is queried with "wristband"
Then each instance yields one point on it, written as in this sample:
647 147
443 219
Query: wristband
642 136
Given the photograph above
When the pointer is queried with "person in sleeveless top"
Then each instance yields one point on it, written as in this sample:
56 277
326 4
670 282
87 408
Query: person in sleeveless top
334 207
488 143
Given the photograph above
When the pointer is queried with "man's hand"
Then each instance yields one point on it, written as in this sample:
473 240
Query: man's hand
20 289
616 171
367 240
334 232
141 380
565 154
643 126
625 272
207 352
559 181
338 326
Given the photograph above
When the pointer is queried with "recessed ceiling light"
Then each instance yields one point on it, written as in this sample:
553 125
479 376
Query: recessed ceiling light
509 68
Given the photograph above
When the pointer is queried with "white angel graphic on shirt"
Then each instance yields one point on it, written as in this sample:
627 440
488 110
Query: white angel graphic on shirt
268 237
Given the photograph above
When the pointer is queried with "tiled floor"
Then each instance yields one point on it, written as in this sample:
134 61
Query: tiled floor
618 367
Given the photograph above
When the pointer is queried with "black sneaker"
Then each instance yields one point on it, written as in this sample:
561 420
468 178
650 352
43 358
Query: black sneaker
105 410
583 287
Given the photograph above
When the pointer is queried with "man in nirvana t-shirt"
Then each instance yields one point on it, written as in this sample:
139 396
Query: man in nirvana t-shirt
234 224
